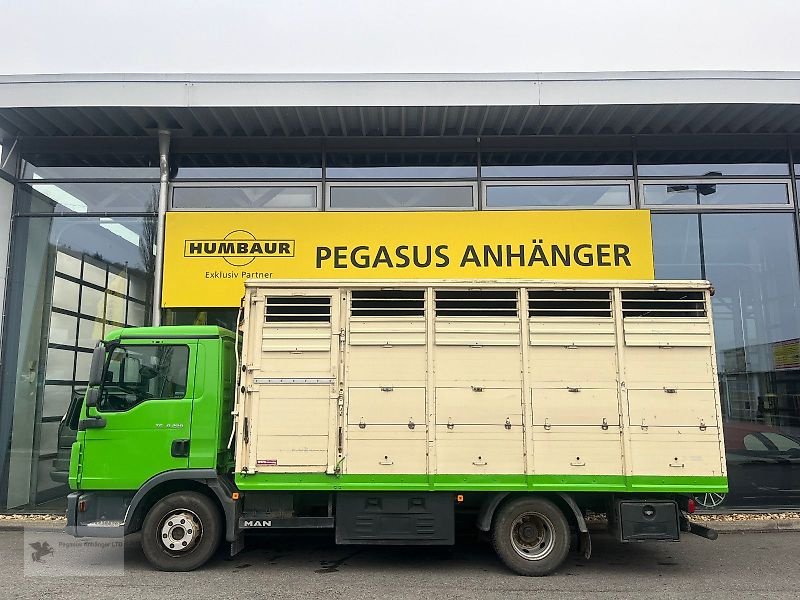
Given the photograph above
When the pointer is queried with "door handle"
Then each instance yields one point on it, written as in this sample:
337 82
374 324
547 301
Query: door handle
386 461
180 448
91 423
480 462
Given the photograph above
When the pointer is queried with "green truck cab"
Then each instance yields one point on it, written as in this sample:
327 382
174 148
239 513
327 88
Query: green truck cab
155 423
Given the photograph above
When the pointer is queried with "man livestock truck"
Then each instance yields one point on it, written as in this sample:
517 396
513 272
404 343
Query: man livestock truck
383 410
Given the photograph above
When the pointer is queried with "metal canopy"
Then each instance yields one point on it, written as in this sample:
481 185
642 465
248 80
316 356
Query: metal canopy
305 106
298 122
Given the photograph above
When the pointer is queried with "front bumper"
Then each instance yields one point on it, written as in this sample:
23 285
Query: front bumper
96 514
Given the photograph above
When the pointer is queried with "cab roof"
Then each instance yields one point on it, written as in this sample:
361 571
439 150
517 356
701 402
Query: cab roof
170 332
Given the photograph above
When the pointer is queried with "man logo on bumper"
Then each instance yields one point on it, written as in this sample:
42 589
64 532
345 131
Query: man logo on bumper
256 523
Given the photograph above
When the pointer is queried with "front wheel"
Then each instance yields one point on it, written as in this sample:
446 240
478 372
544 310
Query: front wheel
181 532
531 536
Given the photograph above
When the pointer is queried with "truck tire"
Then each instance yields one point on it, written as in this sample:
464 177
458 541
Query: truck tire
181 532
531 536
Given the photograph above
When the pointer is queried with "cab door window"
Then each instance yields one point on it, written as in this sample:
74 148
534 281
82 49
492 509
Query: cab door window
139 373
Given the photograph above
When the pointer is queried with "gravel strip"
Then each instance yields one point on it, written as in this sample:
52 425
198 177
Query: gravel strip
33 517
780 516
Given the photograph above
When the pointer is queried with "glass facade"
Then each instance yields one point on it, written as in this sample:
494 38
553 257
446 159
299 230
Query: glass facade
83 257
81 264
751 259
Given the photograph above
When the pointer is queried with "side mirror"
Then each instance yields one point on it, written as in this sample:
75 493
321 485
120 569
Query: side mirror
98 362
92 395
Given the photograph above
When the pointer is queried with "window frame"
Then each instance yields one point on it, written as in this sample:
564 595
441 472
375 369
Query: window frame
187 394
688 208
316 185
407 183
26 187
559 183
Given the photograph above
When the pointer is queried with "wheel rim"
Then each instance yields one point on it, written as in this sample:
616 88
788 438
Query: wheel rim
532 536
180 531
710 499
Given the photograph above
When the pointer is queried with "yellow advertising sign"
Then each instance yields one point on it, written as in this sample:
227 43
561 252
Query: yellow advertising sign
209 255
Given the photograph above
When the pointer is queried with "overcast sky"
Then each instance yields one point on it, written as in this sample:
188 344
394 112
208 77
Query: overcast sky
382 36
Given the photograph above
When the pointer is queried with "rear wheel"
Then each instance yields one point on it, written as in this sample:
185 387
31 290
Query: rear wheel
531 536
181 532
710 500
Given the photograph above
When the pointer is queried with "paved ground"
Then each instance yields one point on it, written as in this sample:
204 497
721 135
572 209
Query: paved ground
311 567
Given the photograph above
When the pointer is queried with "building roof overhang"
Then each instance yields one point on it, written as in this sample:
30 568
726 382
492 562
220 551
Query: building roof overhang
434 105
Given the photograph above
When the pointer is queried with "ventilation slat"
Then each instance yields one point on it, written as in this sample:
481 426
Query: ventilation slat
569 303
297 309
387 303
663 304
477 303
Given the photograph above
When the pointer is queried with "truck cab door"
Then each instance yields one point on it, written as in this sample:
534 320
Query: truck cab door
142 421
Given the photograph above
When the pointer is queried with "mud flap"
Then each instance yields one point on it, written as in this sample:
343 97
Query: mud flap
585 546
237 545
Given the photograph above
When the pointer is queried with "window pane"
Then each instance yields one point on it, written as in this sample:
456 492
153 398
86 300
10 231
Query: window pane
401 197
63 329
402 165
743 193
678 194
140 373
713 162
715 194
117 165
275 165
751 260
498 196
676 246
67 280
76 198
224 317
520 163
244 198
56 400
